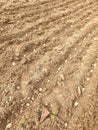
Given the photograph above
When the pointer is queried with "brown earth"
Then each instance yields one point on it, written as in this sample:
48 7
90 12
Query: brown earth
49 60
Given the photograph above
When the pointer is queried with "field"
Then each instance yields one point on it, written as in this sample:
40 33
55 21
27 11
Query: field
48 64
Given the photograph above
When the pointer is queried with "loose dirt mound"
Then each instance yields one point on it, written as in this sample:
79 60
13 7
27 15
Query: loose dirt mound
49 65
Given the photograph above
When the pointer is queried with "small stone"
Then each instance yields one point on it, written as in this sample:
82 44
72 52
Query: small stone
91 71
61 52
76 104
44 45
32 98
95 38
59 68
48 81
28 98
18 21
70 56
34 50
65 61
65 124
87 79
83 89
53 38
84 38
9 126
40 89
1 29
18 87
94 65
79 90
80 44
62 18
62 76
13 63
28 104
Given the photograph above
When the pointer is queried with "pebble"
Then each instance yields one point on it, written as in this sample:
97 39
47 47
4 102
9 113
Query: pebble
34 50
80 44
84 38
91 71
62 76
53 38
62 18
61 52
32 98
65 61
79 90
48 81
94 65
70 56
87 79
13 63
76 104
59 68
40 89
65 124
95 38
9 126
1 29
44 45
83 89
28 104
28 98
18 87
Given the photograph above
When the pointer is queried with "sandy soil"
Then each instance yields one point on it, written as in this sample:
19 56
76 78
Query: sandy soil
49 64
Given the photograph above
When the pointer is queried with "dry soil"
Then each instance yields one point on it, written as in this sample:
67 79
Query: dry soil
49 60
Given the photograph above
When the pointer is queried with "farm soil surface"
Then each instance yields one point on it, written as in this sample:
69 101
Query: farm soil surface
48 64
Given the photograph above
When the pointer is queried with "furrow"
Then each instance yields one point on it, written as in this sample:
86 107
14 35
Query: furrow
29 28
49 61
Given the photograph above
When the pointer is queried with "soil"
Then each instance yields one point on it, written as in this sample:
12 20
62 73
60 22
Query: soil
49 64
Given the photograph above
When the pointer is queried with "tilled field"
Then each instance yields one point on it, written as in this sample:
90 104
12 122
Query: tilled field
48 64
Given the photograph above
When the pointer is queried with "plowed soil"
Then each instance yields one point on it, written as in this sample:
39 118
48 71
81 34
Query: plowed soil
49 60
